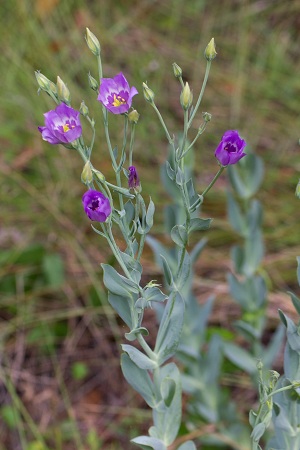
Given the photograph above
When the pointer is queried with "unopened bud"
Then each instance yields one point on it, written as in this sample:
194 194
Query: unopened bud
42 81
206 116
84 109
133 116
210 51
186 97
87 174
53 88
148 93
62 91
92 42
297 192
93 83
99 175
177 70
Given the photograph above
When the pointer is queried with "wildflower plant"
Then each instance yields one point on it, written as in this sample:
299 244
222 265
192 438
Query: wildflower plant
120 207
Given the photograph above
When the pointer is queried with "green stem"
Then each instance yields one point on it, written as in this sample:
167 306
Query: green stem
208 64
213 181
131 143
170 140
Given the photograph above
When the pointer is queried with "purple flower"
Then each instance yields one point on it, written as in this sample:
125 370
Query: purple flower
96 205
133 178
230 149
115 94
62 125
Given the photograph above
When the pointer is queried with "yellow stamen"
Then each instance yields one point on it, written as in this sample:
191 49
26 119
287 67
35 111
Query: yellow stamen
118 100
66 128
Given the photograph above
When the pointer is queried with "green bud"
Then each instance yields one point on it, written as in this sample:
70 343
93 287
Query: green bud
133 116
99 175
53 88
148 93
186 97
177 70
92 42
210 51
62 91
87 174
93 83
43 82
206 116
84 109
297 192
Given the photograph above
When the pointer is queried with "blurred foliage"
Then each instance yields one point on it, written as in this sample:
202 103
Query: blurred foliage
50 289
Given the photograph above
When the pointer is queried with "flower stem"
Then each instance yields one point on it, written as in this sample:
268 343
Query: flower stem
213 181
201 93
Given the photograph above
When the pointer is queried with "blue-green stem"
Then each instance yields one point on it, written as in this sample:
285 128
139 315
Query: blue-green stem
91 122
200 131
208 65
170 140
213 181
131 143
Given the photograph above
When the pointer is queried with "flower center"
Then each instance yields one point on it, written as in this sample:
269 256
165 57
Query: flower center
68 126
118 100
230 148
94 204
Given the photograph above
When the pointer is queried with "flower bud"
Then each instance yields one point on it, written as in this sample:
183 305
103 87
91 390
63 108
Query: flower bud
99 175
84 110
133 116
53 88
186 97
93 83
297 192
62 91
42 81
177 70
206 116
210 51
148 93
87 174
92 42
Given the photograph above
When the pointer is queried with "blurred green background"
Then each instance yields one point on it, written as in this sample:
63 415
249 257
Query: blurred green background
59 340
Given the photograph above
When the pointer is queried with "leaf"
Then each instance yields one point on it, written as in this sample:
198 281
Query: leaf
167 271
179 235
236 218
149 215
188 445
196 251
167 390
198 224
147 442
247 176
258 431
170 171
167 418
240 357
131 336
139 358
170 328
121 305
139 379
184 272
116 283
154 294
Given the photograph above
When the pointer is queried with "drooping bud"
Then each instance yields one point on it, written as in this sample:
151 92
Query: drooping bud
186 97
206 116
177 70
210 51
133 178
87 174
43 82
133 116
92 42
84 110
148 93
93 83
62 91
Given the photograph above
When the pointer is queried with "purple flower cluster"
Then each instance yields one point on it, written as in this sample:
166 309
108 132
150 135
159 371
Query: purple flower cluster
230 149
96 205
62 125
116 94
